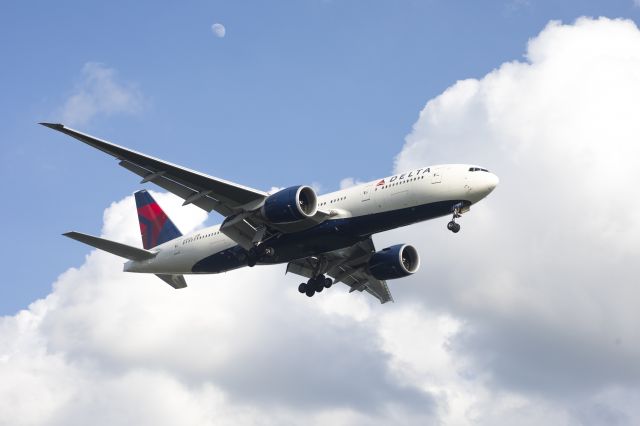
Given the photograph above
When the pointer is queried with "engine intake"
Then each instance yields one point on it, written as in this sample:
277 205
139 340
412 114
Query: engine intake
394 262
290 205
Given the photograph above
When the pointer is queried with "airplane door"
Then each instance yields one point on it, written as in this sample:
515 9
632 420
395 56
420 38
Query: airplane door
366 193
436 177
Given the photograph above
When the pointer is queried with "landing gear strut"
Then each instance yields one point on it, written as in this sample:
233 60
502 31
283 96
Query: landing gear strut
315 285
452 225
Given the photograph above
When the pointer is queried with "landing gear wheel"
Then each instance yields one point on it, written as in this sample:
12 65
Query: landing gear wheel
251 261
453 227
317 283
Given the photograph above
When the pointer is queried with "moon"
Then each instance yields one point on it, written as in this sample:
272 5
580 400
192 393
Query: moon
218 30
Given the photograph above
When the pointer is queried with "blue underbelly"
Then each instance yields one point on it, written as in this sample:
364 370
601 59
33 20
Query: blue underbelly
328 236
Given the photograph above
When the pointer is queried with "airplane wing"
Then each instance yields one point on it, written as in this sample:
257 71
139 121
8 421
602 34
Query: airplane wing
207 192
349 266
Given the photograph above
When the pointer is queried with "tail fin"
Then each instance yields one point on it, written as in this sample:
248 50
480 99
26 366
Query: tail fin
155 226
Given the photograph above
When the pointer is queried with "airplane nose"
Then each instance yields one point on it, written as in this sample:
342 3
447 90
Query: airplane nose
492 182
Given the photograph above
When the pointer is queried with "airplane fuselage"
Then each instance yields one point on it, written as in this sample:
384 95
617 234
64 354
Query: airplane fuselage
355 214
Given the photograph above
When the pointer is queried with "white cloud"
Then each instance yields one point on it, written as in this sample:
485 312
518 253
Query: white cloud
526 317
349 182
544 271
99 92
237 348
218 30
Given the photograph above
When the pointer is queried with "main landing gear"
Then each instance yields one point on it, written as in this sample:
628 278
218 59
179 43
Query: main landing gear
452 225
315 285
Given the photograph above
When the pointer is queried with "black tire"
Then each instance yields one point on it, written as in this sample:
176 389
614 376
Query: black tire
302 288
456 228
310 292
328 282
318 284
252 261
451 225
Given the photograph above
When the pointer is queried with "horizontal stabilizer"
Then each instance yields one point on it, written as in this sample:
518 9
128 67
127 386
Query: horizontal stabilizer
119 249
175 281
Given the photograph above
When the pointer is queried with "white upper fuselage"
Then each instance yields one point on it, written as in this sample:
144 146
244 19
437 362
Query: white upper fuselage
410 191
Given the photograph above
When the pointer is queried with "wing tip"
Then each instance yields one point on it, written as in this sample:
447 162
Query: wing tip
54 126
74 235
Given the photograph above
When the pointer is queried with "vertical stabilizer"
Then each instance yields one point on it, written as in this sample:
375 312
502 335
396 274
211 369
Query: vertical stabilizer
155 226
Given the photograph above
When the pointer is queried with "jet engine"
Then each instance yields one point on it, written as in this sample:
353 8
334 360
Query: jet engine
394 262
290 205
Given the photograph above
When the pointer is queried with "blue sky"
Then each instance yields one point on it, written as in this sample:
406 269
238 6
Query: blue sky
526 317
296 92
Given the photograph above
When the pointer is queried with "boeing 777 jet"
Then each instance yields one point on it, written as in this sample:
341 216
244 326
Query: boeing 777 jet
324 238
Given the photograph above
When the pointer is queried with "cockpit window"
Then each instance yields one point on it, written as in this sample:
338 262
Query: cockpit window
477 169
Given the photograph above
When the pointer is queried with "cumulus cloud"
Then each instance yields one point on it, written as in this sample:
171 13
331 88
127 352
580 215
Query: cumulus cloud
237 348
349 182
526 317
544 272
218 30
100 92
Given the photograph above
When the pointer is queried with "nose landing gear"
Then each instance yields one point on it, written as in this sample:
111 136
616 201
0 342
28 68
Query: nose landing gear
457 212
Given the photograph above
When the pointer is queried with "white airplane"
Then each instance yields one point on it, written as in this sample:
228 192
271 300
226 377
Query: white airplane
325 238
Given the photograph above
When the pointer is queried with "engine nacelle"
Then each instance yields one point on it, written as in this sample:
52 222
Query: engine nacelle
394 262
290 205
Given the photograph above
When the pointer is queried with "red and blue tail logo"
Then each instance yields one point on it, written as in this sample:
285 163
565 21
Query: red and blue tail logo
155 226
